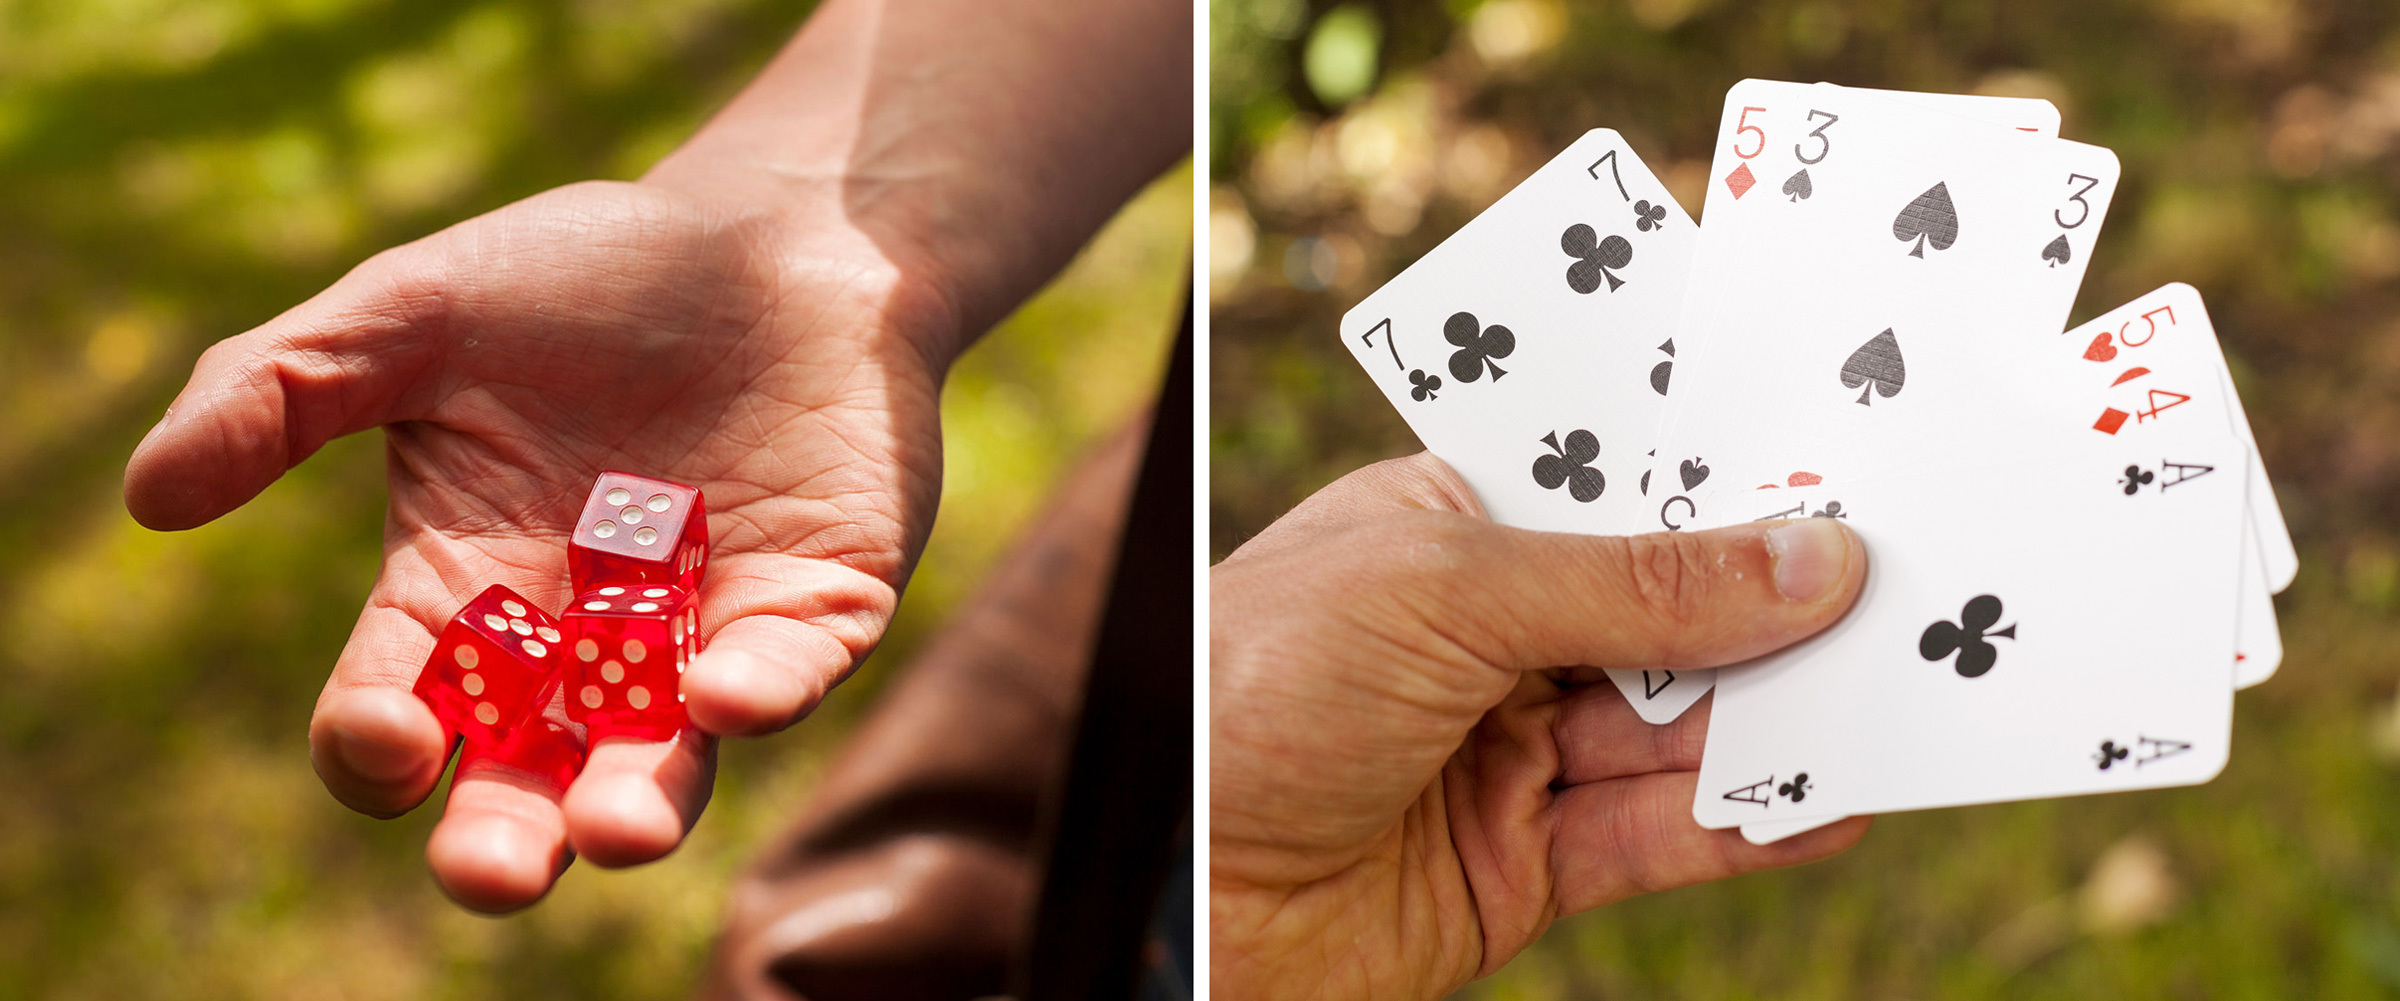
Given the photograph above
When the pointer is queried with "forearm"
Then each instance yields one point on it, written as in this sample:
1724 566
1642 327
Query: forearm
978 143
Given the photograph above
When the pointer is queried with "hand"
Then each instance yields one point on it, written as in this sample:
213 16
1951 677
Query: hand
1402 796
790 372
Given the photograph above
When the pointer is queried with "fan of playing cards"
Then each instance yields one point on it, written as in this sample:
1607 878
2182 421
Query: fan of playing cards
2073 541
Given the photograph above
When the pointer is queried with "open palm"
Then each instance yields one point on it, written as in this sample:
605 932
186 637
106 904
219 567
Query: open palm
790 371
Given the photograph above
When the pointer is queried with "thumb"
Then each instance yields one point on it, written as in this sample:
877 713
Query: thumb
1531 600
348 359
1368 652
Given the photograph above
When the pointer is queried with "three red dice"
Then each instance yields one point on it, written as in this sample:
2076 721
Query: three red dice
502 669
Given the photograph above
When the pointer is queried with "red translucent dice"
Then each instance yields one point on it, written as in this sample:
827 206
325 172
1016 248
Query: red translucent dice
490 666
637 530
627 647
531 692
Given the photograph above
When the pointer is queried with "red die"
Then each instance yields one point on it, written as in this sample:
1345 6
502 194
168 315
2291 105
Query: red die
630 644
490 665
636 530
544 744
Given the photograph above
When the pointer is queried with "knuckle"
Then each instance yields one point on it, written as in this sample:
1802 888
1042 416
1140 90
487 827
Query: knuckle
1427 544
1668 574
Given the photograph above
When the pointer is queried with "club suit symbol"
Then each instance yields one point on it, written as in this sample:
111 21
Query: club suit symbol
1648 216
1570 466
2135 479
1970 637
1796 789
2110 754
1421 387
1477 346
1595 258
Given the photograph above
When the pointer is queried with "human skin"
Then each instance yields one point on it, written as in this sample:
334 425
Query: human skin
767 314
1414 763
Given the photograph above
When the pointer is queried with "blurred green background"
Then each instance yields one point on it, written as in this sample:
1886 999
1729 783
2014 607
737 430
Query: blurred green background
174 171
2261 150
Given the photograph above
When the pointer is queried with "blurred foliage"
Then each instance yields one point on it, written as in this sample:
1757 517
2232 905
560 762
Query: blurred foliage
174 171
2261 149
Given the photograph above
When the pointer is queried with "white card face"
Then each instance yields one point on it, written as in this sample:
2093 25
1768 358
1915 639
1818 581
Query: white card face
1521 349
2258 638
1660 696
1768 832
1983 665
2026 114
1839 326
1531 352
2114 342
2280 560
2114 368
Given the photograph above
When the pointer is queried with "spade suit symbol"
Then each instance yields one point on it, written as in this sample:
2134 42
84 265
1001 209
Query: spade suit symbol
1878 366
1693 473
1478 346
1929 219
1797 186
1970 637
2058 252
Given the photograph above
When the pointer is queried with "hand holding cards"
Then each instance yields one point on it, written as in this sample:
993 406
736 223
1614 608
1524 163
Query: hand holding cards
2073 541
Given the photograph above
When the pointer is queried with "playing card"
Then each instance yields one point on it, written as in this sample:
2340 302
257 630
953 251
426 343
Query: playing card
1767 832
1853 326
2025 114
2136 357
1973 670
2114 367
2058 622
1526 349
1669 489
1532 349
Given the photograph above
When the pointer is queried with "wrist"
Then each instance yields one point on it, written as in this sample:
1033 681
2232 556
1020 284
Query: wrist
972 146
798 217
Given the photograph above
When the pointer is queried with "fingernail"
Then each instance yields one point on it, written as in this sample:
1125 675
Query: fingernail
372 758
1810 554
